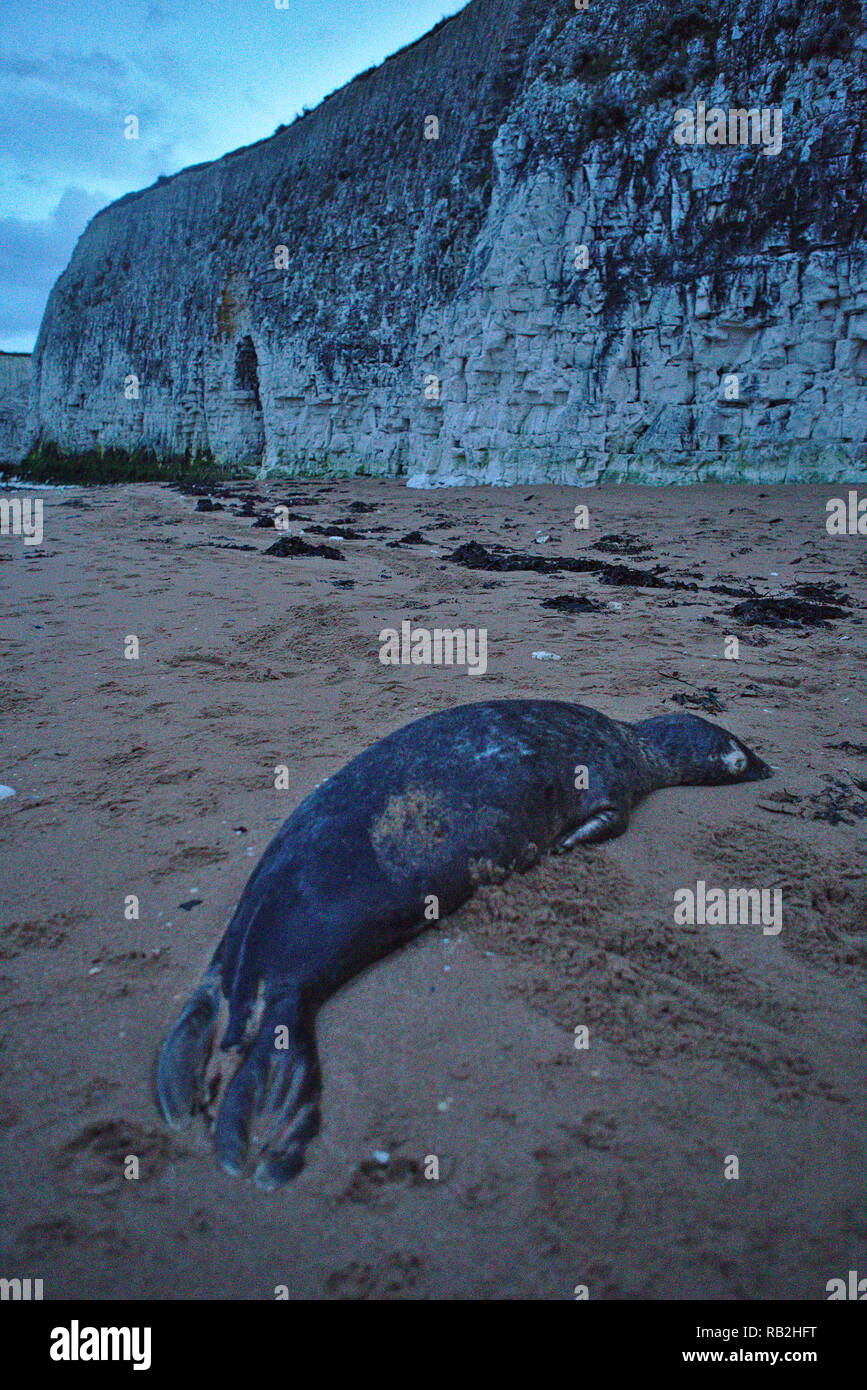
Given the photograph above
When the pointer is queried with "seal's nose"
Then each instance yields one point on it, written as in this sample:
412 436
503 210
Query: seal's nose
757 771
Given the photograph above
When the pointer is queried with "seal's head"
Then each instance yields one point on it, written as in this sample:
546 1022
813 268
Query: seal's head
683 748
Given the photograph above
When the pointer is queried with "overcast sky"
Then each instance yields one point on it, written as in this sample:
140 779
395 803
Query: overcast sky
202 76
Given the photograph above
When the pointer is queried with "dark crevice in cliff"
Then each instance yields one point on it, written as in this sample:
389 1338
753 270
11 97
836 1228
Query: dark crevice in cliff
247 368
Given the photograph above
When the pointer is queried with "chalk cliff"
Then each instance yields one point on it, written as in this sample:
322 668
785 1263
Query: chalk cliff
14 397
553 288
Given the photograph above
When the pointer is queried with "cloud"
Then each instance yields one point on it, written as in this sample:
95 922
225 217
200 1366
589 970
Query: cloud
66 71
51 132
32 255
158 16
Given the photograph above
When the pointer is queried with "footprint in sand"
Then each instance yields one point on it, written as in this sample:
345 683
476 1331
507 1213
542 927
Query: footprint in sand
93 1163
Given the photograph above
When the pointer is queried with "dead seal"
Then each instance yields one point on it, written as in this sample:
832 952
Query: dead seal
424 814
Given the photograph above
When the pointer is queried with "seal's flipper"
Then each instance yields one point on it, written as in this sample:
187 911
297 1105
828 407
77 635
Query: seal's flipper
283 1160
293 1099
603 824
279 1077
184 1057
232 1130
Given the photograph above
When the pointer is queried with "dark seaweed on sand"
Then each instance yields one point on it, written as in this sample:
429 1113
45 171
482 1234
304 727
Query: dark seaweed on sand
572 603
294 545
474 556
786 611
706 700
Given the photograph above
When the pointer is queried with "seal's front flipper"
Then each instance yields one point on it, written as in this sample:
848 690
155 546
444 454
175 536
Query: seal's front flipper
183 1059
279 1077
603 823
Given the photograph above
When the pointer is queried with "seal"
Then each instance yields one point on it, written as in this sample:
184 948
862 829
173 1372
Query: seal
403 833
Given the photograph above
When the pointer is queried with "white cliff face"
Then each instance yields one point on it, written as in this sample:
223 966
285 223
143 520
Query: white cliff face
554 288
14 395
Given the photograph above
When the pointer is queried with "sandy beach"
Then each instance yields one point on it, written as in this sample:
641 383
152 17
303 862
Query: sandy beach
559 1167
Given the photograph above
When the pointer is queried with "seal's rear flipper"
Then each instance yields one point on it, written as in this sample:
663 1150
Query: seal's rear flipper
283 1159
183 1059
279 1078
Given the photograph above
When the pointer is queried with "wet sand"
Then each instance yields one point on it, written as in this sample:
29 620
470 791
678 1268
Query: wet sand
558 1167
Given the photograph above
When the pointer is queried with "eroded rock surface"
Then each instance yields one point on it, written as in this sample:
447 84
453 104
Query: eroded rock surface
14 394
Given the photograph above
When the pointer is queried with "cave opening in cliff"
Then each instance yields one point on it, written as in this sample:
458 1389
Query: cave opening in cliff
247 367
250 423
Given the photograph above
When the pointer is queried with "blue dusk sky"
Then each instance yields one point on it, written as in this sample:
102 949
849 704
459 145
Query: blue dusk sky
203 77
